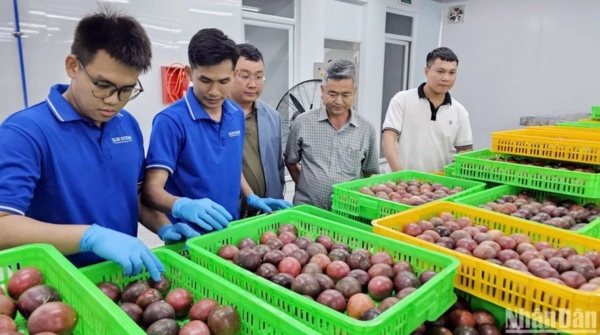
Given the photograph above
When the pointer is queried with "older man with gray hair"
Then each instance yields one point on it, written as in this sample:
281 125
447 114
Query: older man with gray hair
333 143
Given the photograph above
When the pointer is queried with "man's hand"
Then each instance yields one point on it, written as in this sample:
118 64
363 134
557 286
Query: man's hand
267 205
127 251
174 233
205 213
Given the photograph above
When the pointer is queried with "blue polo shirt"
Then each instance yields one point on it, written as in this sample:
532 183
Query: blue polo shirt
203 157
58 167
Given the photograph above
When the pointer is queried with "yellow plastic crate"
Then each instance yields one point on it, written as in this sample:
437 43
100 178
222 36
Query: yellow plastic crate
519 292
564 129
578 147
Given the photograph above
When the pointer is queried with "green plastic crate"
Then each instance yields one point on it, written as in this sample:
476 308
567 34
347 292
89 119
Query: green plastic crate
316 211
592 229
595 112
258 318
349 202
310 209
427 303
579 124
499 313
178 248
477 166
449 170
95 313
181 249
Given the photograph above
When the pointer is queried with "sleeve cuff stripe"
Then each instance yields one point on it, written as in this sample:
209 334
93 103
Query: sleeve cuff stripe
392 129
464 146
11 210
159 166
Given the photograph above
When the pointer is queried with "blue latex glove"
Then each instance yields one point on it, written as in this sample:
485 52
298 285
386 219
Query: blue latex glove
127 251
205 213
267 205
179 232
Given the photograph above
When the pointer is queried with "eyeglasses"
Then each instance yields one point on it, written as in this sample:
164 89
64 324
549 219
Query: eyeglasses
260 79
104 89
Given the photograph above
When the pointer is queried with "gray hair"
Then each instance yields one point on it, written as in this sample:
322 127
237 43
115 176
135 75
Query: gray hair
340 69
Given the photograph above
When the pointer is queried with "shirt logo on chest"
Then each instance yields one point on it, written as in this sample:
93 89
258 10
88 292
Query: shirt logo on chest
450 122
235 133
122 139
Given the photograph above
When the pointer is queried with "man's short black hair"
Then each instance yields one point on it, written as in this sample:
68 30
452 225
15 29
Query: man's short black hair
250 52
442 53
210 47
121 36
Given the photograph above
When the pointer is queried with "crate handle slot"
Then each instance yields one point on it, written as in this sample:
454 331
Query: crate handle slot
426 303
368 203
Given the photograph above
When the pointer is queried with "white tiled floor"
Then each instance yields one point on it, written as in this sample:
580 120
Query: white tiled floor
152 240
148 237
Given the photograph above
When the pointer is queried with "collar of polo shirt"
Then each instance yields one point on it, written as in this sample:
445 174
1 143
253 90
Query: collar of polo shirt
324 116
62 109
447 101
196 110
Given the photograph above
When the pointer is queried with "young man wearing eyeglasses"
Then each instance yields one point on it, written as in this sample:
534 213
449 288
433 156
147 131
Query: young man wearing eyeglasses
263 166
71 166
194 164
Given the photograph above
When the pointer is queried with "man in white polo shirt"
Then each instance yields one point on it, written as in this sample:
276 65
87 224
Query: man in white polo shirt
424 127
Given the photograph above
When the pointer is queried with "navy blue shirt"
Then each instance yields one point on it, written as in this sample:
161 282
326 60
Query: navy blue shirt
203 156
58 167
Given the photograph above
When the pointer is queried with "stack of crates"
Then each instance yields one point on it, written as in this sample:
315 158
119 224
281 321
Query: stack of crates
592 123
500 286
540 161
349 201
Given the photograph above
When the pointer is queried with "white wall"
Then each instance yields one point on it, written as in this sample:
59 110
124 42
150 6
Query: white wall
428 36
343 21
519 58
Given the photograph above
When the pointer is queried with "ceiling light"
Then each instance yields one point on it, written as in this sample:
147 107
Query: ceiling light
227 4
251 9
53 16
210 12
165 46
36 25
149 26
22 30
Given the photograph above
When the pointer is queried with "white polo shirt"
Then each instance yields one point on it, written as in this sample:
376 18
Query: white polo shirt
428 137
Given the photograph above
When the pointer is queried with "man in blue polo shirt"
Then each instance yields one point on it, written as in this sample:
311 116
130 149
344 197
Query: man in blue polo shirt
194 163
70 167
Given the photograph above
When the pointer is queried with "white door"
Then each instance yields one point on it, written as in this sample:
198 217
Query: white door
276 43
338 49
395 74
